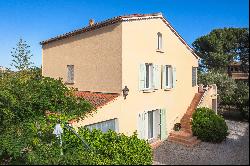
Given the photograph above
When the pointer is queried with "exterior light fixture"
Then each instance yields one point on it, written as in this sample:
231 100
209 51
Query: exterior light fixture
125 92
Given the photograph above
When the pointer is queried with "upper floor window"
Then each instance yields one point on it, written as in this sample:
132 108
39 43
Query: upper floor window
70 73
168 77
194 76
159 41
149 76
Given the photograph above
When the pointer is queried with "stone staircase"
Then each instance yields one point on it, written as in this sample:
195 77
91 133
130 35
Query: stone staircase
185 135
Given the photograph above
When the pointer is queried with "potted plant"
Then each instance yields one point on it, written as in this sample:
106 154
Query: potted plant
177 126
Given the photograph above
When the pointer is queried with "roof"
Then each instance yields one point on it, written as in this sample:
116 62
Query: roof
114 20
97 99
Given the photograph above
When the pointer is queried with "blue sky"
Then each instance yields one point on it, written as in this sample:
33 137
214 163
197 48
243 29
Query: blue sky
37 20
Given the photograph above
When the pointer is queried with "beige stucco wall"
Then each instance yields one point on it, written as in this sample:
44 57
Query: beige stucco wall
139 41
109 59
209 95
96 56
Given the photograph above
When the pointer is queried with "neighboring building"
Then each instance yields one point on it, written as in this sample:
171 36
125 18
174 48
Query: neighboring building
143 53
236 72
2 69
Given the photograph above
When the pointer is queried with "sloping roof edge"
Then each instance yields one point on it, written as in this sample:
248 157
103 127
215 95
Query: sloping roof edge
120 19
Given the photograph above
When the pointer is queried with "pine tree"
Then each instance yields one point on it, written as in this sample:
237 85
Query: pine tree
21 56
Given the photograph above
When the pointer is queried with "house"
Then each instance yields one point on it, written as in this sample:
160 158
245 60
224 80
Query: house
236 72
136 70
2 69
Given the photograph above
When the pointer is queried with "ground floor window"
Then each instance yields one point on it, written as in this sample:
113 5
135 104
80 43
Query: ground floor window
104 126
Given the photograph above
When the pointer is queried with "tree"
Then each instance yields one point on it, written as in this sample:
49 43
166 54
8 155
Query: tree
226 86
222 46
21 56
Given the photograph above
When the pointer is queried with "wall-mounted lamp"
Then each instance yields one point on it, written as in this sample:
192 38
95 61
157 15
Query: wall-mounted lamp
125 92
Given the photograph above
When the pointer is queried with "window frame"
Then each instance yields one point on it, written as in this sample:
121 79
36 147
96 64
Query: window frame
93 125
168 84
194 84
70 74
149 75
159 41
169 77
153 131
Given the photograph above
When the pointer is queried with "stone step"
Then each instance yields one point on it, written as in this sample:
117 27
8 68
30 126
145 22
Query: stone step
186 126
185 135
186 142
187 120
156 144
181 134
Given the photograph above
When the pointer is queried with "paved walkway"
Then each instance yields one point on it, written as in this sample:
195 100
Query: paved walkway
233 151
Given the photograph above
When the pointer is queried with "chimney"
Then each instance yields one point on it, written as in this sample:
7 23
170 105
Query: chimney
91 22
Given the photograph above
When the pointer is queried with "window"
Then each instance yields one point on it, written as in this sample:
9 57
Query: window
70 73
159 41
153 124
149 76
104 126
194 76
168 77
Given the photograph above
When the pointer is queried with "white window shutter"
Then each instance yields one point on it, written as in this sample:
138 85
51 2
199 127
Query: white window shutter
154 76
163 124
174 77
140 125
157 76
142 75
145 125
163 68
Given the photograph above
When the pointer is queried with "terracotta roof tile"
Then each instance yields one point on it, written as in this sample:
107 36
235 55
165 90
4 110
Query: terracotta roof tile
97 99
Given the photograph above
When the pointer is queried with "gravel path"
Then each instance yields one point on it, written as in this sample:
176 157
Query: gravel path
233 151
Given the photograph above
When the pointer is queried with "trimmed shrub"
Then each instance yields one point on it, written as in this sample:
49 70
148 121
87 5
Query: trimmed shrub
104 149
208 126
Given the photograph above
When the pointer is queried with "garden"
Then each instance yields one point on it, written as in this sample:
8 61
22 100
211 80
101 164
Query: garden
32 105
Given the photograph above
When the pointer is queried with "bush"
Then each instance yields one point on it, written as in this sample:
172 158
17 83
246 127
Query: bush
208 126
226 85
120 149
105 148
241 98
25 97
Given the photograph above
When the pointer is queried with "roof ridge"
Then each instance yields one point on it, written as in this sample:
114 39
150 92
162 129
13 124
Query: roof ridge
116 19
113 93
95 25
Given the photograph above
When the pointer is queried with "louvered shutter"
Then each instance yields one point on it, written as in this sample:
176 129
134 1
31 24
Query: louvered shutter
174 77
145 125
194 76
156 76
142 75
140 125
163 68
163 124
